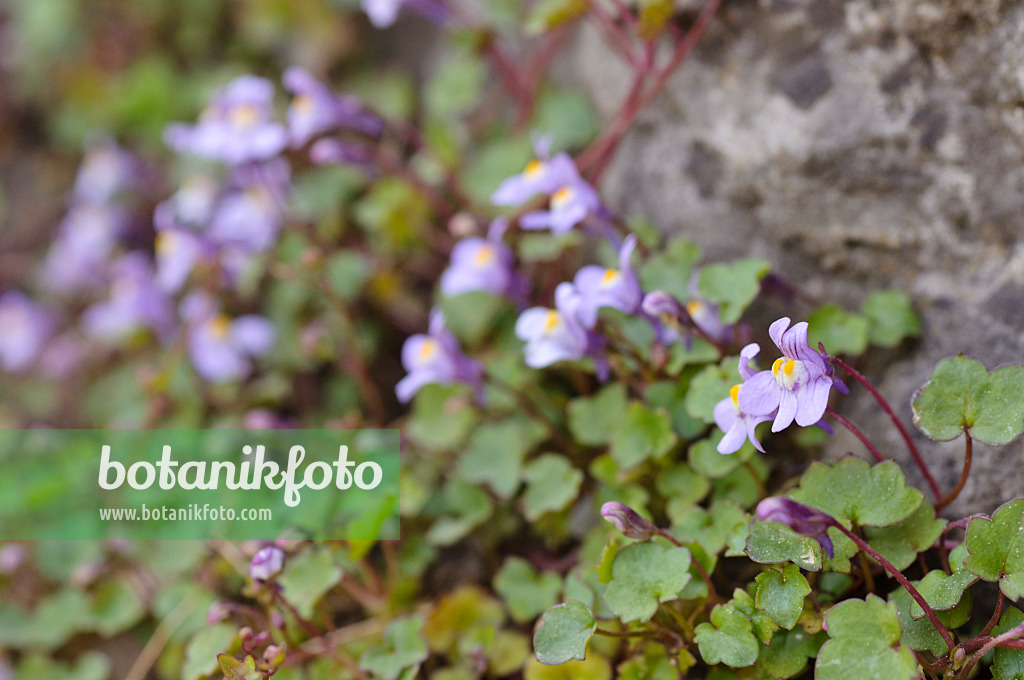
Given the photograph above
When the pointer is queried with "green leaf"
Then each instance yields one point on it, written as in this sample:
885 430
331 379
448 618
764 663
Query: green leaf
733 285
705 458
466 507
890 318
307 576
526 592
917 634
942 591
548 14
116 606
870 495
788 652
89 666
996 548
773 543
233 669
202 650
653 664
442 417
403 649
595 420
566 116
551 484
457 86
671 396
563 633
901 542
654 14
728 638
762 625
495 454
644 575
595 667
669 269
645 433
472 315
347 272
683 487
1008 664
709 387
781 593
963 395
840 331
864 644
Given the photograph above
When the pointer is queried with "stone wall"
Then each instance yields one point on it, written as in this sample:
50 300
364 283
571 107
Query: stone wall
857 146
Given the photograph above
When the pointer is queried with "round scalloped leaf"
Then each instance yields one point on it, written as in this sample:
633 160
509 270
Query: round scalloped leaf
781 593
563 633
864 644
963 395
734 285
403 648
996 548
870 495
645 433
644 575
728 639
527 592
1008 664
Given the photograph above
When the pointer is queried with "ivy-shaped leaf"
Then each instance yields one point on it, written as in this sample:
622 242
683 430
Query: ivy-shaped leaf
840 331
890 318
761 624
594 420
307 576
996 548
901 542
733 285
781 593
963 395
864 643
403 648
645 433
551 484
709 387
788 652
233 669
644 575
495 454
549 14
870 495
1008 664
563 633
919 634
526 592
773 543
944 592
728 638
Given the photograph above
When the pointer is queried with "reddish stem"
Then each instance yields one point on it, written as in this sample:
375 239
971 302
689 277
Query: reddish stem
922 466
968 451
856 433
1009 636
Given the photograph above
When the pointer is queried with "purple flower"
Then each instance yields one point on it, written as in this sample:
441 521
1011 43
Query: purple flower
314 109
106 171
435 358
192 205
802 519
738 425
266 564
24 329
616 288
329 151
62 356
666 316
249 217
177 253
237 127
135 303
569 205
481 264
86 238
542 175
626 520
384 13
553 335
222 348
797 384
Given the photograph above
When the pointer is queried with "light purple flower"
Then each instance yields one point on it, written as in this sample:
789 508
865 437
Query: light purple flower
191 205
542 175
237 127
802 519
24 328
627 520
135 303
106 171
484 264
249 217
222 348
436 358
797 385
738 425
553 335
266 564
82 248
666 315
330 151
569 205
616 288
314 109
384 13
178 251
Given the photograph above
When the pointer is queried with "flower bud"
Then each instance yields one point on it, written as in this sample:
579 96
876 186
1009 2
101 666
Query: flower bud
627 520
802 519
217 612
266 564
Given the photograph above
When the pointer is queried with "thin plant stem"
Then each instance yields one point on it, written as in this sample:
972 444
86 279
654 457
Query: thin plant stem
898 575
625 634
925 472
1011 634
995 615
968 451
856 433
705 576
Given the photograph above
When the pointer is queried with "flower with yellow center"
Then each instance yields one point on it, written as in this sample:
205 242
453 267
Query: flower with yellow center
788 372
220 326
552 320
166 243
244 115
302 104
533 169
611 276
734 395
561 198
484 256
428 348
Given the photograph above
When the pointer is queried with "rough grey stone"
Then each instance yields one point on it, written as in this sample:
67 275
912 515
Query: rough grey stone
857 145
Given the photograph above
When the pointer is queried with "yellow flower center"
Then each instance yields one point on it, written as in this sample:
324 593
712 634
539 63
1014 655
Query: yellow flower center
561 197
552 320
302 104
243 115
610 277
787 372
165 243
734 394
694 307
219 326
533 169
484 256
427 349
